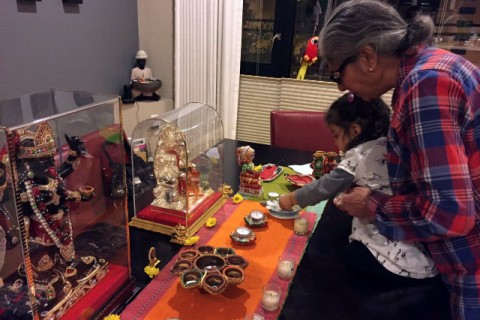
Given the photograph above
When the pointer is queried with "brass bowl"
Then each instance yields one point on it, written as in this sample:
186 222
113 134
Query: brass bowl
210 262
148 85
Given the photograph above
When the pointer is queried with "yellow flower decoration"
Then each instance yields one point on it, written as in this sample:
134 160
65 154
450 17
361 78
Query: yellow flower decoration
211 222
237 198
112 317
151 271
191 241
257 168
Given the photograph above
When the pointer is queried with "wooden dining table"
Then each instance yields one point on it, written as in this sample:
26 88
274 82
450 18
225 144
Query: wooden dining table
323 287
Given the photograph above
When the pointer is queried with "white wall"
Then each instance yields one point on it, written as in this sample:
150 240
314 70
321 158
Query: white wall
155 29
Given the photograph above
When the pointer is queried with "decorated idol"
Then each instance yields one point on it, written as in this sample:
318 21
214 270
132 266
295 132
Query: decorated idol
44 199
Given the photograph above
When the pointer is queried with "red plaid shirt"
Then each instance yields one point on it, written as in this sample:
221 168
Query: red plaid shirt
434 169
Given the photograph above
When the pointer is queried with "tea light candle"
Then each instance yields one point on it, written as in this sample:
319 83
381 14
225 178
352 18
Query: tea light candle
300 226
256 216
271 297
286 268
254 316
243 232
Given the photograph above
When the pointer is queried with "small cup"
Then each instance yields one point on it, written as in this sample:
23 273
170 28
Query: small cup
273 196
271 297
300 226
286 267
86 191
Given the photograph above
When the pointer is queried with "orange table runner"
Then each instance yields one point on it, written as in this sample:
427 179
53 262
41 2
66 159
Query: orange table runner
164 297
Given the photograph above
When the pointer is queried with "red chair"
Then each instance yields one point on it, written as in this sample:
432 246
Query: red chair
300 130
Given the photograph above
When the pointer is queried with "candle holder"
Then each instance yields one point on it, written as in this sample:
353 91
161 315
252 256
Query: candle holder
273 196
243 236
286 267
87 191
256 218
254 316
300 226
271 297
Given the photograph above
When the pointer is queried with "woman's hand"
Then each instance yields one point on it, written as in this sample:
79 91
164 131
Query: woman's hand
287 201
354 202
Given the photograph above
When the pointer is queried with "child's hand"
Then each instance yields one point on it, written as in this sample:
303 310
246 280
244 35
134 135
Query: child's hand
287 201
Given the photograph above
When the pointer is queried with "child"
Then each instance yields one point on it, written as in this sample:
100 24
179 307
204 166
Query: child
359 129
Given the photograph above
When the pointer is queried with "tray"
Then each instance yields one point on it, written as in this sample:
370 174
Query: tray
268 174
299 180
285 215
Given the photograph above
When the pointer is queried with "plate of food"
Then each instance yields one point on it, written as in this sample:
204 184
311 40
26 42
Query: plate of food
270 172
299 180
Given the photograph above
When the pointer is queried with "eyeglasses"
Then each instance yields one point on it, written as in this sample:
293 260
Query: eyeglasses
337 74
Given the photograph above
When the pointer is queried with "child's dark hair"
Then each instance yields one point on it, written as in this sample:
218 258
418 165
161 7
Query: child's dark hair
373 117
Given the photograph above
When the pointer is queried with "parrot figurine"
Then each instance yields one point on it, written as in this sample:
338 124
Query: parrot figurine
310 56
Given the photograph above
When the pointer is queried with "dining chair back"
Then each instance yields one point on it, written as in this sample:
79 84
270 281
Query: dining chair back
300 130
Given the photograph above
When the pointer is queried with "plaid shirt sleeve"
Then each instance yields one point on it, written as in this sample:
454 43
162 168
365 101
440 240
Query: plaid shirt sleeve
428 165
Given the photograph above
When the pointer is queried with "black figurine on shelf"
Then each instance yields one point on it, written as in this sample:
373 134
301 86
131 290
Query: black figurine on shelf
143 84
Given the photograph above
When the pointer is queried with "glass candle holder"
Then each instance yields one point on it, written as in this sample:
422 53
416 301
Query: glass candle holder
271 297
273 196
286 267
300 226
254 316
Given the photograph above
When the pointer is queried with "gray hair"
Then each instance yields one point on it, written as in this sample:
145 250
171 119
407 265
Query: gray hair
357 23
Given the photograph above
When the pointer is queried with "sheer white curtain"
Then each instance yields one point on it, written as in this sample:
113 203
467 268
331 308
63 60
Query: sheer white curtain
208 37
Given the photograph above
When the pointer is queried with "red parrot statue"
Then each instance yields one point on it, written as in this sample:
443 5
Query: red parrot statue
310 56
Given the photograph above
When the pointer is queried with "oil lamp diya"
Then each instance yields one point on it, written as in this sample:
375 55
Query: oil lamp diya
209 269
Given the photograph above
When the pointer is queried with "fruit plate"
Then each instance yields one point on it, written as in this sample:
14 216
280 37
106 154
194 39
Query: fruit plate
270 172
299 180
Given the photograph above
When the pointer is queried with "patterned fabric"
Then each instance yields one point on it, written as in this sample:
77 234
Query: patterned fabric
367 163
434 168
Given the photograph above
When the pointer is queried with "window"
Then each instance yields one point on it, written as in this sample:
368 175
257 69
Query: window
275 32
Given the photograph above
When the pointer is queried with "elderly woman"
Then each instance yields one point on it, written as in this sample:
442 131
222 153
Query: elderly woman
433 141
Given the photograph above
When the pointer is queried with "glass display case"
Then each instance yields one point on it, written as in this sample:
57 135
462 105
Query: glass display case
177 170
64 250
